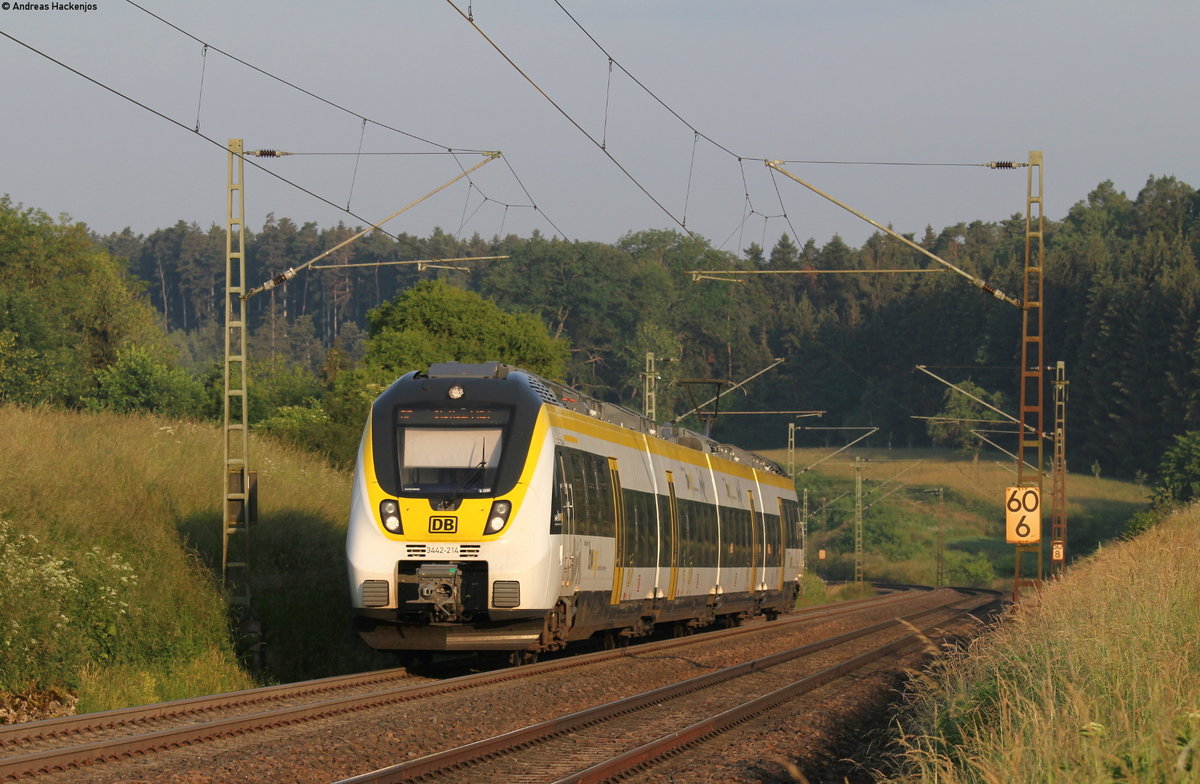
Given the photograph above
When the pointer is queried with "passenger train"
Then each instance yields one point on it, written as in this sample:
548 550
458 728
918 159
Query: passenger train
495 510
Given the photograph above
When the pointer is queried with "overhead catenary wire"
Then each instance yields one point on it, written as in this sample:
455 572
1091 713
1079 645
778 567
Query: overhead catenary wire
687 198
532 205
569 118
602 144
443 148
357 158
290 273
289 154
200 96
870 432
774 164
179 124
607 98
453 153
974 280
292 85
639 83
406 262
700 134
988 165
779 195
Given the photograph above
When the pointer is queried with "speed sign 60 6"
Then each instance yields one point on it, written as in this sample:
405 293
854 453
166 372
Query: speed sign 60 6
1022 515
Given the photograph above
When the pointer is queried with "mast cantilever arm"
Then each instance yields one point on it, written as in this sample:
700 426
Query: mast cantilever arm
977 282
870 432
290 273
732 387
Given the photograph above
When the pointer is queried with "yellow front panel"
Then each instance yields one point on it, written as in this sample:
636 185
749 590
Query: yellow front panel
464 524
424 523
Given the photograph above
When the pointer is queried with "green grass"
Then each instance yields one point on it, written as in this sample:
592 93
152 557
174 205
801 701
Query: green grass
112 539
110 534
1097 680
902 515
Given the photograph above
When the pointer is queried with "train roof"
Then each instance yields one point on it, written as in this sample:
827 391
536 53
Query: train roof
555 394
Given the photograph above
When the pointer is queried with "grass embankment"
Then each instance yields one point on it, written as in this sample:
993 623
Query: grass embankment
902 514
110 535
1098 680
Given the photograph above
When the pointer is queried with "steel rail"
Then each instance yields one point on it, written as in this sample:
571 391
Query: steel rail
643 755
646 754
473 753
51 729
96 752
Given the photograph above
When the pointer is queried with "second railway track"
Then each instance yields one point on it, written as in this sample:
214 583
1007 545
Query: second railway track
608 740
44 748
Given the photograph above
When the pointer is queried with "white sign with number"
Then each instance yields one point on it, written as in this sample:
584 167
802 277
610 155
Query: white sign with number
1022 515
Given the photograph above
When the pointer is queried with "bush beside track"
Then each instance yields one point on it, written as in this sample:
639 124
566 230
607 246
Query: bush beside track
110 534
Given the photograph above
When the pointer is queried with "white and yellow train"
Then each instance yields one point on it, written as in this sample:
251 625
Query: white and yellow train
494 510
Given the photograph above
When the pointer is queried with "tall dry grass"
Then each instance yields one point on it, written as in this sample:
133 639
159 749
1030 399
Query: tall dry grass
89 499
1097 680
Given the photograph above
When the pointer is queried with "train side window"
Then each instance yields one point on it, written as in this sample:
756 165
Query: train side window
650 539
606 511
791 511
584 507
635 527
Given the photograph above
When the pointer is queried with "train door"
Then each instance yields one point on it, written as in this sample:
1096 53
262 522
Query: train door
562 520
783 543
673 536
756 545
620 545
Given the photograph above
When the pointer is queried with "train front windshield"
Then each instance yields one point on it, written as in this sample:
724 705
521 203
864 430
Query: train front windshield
450 450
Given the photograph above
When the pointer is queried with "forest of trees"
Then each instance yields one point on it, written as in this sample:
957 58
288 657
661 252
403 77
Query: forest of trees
1122 310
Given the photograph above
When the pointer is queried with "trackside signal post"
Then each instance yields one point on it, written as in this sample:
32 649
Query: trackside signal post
858 505
1058 519
858 521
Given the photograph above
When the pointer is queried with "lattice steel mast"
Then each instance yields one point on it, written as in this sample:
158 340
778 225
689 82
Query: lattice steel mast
1032 398
238 508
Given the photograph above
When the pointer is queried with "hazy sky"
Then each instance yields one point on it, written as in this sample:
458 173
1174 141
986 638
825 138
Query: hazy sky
1107 89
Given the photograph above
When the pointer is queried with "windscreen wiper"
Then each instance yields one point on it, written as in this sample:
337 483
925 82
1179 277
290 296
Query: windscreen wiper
452 500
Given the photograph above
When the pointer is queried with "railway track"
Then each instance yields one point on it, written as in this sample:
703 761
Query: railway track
66 744
610 740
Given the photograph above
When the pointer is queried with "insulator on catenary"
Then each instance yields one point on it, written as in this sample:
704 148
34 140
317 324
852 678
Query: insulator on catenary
1002 165
268 153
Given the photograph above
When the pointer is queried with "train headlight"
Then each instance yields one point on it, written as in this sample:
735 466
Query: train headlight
497 517
389 513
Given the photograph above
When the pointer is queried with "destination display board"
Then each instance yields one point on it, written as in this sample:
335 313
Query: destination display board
466 417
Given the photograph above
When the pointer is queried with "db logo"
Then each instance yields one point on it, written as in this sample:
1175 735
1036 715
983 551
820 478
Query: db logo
443 525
